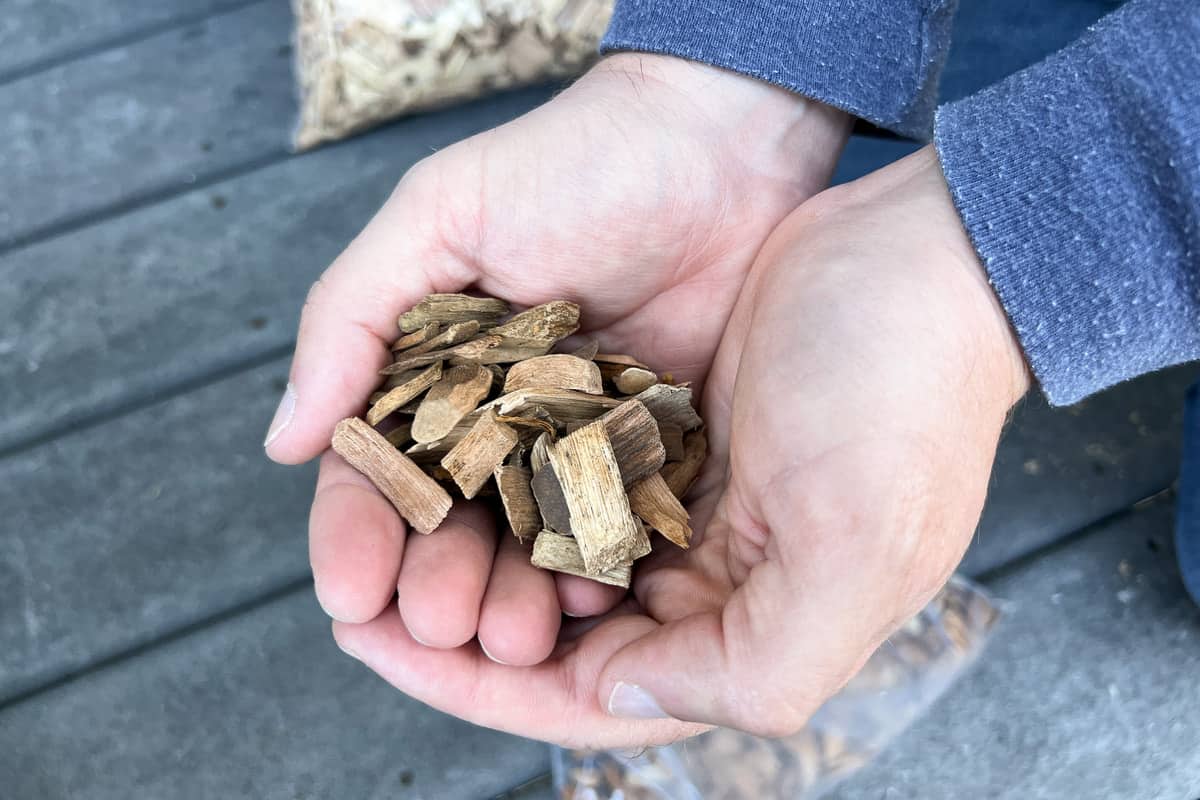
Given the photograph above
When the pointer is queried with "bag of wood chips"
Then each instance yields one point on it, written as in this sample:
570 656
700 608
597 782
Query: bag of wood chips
895 687
360 62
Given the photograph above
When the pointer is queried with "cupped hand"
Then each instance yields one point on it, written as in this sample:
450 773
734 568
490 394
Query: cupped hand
642 192
853 408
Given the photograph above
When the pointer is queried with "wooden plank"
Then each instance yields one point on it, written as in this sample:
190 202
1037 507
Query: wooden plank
137 527
151 117
117 312
34 33
263 706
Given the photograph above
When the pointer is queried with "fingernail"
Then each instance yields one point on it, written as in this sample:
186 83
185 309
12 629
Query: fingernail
633 702
347 651
489 655
283 415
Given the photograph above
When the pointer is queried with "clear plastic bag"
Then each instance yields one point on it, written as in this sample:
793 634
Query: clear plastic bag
360 62
895 687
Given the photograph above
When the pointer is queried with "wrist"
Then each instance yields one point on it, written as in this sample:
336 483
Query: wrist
766 127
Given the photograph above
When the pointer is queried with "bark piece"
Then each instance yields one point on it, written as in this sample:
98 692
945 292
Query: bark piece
520 507
560 553
557 371
633 434
550 322
404 393
417 497
476 457
466 353
632 380
450 400
652 500
601 520
671 405
419 336
447 309
551 502
682 474
672 439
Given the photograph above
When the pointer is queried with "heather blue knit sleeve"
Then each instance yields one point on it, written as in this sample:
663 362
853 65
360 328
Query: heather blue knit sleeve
877 59
1078 180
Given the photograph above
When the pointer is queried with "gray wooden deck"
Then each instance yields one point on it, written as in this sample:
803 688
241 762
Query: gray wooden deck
158 636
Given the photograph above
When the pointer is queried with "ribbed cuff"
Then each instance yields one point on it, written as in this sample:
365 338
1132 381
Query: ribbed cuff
1078 180
877 60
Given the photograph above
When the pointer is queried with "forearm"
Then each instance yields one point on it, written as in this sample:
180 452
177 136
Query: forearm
1078 181
877 59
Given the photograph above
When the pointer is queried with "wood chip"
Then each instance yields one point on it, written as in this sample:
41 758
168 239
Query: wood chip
633 434
565 405
539 456
450 308
404 393
477 456
555 372
613 364
548 322
560 553
652 500
417 497
601 520
508 351
450 400
672 439
419 336
465 353
455 334
399 435
632 380
682 474
520 507
588 351
671 405
551 502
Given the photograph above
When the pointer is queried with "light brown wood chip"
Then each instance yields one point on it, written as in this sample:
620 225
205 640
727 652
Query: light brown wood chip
550 322
560 553
520 507
554 372
465 353
672 405
633 433
419 336
476 457
601 520
402 394
457 333
680 475
613 364
632 380
417 497
451 308
652 500
449 400
588 351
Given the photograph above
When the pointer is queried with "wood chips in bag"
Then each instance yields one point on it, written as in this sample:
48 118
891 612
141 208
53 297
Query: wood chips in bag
360 62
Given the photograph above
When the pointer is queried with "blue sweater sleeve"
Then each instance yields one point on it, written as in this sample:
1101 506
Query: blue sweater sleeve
1078 180
877 60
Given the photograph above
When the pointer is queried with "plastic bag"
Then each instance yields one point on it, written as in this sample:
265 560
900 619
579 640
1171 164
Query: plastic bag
895 687
360 62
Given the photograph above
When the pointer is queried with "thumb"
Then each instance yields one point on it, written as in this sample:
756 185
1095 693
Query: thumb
754 665
349 321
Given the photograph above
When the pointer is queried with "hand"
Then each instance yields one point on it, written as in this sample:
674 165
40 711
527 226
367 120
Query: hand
643 192
854 409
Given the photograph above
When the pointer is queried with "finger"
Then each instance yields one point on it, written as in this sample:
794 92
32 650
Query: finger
518 624
553 701
580 597
762 664
444 575
349 320
355 542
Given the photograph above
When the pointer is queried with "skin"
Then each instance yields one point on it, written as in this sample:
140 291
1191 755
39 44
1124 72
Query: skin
856 372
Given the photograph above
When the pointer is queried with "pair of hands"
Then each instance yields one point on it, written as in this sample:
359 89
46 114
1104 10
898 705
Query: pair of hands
856 372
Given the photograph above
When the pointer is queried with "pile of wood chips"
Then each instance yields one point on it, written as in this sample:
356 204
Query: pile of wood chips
588 452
